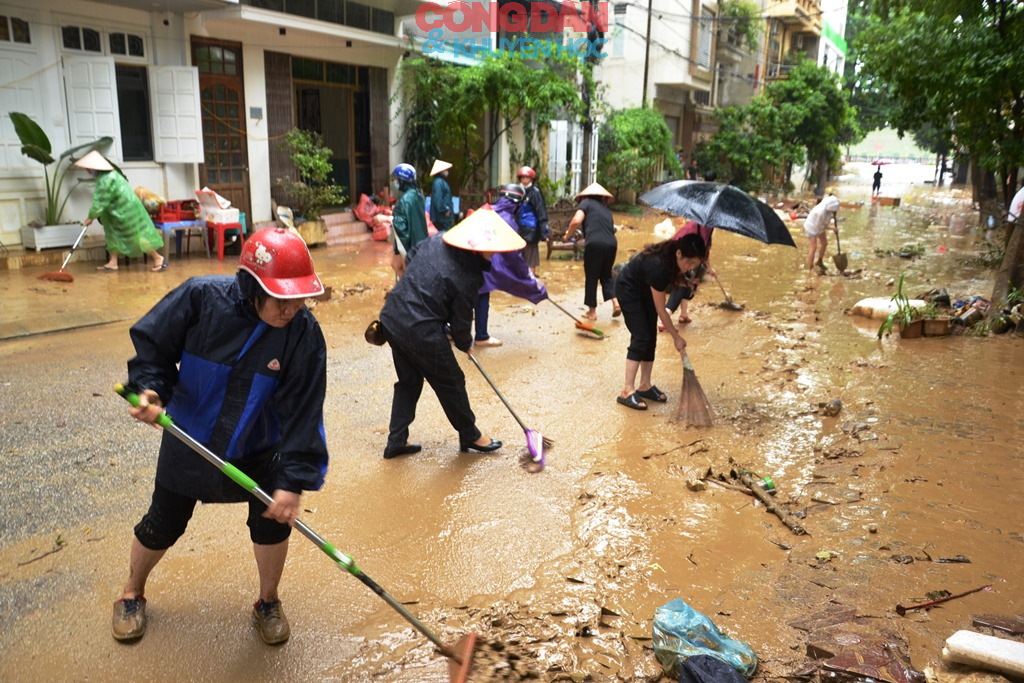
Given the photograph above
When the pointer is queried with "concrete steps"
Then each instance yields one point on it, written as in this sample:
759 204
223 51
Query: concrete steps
345 228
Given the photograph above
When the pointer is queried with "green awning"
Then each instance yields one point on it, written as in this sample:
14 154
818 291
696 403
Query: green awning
834 37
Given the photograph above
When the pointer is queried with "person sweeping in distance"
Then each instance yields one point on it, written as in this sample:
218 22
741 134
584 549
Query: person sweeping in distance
241 365
434 299
640 289
594 220
815 226
509 270
127 227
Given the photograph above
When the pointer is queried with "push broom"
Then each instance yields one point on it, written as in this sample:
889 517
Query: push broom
694 408
580 325
535 442
63 275
460 654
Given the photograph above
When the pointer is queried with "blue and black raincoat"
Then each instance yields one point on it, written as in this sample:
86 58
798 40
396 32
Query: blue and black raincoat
251 393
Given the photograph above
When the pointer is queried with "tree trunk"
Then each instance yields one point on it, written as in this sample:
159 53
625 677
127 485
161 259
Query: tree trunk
820 175
1011 272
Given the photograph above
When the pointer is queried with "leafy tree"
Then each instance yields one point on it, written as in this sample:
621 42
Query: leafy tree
635 144
869 96
310 190
445 104
958 64
749 150
743 18
817 113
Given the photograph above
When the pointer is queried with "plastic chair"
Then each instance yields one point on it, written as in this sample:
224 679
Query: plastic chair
219 219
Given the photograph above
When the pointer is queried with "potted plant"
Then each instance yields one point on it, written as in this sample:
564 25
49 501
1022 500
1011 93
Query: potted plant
906 317
310 190
935 325
36 145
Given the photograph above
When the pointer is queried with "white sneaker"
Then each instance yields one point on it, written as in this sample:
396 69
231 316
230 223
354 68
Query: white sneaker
490 341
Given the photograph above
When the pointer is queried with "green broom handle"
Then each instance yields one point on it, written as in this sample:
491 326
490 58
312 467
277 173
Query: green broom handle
242 479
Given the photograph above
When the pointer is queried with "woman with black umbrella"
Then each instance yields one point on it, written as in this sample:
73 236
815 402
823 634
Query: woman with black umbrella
640 289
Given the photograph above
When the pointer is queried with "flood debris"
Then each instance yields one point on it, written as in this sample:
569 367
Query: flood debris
759 492
1012 625
901 610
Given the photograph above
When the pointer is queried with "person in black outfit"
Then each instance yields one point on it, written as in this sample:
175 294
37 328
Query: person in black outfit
876 185
594 219
640 288
434 299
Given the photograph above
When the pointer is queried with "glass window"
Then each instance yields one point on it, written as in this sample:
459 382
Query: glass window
136 47
14 30
331 10
357 15
72 37
301 8
133 105
118 44
91 40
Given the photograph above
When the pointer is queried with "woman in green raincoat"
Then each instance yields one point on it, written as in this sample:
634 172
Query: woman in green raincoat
127 227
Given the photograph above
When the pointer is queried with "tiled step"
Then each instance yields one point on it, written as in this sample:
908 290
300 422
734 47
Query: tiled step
351 231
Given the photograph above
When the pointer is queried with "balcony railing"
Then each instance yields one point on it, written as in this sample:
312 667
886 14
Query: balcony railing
805 13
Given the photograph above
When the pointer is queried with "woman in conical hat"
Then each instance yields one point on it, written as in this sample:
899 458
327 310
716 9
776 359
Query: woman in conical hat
434 299
127 227
442 208
593 219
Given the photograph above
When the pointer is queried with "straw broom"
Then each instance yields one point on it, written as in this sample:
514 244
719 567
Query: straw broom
694 408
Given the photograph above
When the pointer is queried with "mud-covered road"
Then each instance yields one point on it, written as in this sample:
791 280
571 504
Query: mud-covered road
564 568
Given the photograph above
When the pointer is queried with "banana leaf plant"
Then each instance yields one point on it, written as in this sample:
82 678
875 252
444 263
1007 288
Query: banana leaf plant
36 145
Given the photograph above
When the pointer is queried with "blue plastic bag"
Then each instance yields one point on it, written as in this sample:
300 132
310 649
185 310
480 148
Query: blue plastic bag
681 632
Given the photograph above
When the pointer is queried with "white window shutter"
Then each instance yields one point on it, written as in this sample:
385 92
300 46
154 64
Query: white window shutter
90 84
177 116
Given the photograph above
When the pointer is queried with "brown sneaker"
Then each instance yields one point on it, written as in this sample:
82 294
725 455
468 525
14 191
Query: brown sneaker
129 622
271 622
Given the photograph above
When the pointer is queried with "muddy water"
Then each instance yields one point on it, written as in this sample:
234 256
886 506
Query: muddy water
567 566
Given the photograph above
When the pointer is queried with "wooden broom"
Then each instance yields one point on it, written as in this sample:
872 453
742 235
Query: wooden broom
694 408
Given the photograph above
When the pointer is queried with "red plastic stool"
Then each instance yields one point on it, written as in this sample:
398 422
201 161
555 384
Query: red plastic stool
220 229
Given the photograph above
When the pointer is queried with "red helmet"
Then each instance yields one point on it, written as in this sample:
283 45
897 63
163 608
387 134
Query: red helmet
527 172
280 262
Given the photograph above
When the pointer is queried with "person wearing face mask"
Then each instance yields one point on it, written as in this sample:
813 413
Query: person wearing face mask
127 227
409 218
241 365
442 210
435 299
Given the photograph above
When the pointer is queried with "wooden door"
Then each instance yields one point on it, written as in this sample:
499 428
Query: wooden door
222 100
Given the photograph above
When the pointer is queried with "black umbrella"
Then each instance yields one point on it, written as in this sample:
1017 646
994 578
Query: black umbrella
717 205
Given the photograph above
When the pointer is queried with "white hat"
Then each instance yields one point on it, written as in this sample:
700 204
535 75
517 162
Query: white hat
594 190
439 166
94 161
484 230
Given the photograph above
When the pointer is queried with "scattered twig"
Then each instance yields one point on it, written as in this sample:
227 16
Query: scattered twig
901 610
769 503
39 557
726 485
682 445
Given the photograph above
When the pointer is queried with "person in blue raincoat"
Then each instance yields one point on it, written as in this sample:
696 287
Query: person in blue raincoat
241 365
509 271
409 217
442 209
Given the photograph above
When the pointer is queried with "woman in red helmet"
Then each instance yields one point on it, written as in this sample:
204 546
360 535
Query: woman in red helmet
533 218
241 365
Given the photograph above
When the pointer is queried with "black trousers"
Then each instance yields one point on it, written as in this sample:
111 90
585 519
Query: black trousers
437 365
598 260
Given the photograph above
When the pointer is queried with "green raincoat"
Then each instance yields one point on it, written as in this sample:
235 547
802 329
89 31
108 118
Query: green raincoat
127 227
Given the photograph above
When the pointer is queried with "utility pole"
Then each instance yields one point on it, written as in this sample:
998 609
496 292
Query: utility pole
647 51
593 35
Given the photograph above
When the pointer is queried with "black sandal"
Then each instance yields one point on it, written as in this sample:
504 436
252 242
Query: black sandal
632 402
654 394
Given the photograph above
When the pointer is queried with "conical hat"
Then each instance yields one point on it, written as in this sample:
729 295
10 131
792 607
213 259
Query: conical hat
594 190
484 230
439 166
94 161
